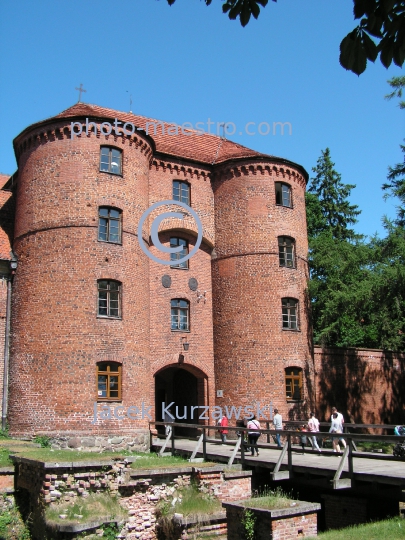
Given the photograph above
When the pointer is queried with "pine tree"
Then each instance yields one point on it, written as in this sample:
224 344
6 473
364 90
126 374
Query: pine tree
338 214
396 174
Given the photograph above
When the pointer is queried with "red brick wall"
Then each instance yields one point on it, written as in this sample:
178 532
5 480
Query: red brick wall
3 304
366 385
7 210
166 346
56 335
251 348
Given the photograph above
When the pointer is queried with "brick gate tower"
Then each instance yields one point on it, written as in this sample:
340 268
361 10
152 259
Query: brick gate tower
260 273
97 326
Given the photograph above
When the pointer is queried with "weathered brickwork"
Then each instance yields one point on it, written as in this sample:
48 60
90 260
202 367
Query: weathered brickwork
366 385
299 521
234 284
139 490
57 337
252 349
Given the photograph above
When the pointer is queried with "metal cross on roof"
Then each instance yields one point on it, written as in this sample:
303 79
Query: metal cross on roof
81 89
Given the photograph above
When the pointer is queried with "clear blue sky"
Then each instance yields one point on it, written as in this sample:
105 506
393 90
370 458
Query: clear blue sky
188 63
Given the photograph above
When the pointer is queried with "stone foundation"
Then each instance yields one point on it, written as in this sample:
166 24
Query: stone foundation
139 442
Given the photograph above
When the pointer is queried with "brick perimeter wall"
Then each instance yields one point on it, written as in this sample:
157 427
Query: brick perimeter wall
366 385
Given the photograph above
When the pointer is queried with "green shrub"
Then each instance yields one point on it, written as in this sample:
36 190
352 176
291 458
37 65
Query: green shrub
43 440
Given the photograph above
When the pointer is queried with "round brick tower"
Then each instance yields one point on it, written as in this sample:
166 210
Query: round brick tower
80 306
262 338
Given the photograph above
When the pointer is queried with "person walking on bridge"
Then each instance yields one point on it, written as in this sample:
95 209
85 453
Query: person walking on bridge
341 422
313 426
278 425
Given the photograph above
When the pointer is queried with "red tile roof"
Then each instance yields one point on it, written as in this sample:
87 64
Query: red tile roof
205 148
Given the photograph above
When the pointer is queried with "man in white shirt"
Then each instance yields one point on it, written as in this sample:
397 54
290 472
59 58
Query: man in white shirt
341 421
278 425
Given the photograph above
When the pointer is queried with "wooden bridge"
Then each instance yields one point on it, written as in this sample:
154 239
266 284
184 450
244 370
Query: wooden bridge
339 471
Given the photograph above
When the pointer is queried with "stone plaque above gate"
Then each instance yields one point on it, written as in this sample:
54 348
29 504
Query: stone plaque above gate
166 281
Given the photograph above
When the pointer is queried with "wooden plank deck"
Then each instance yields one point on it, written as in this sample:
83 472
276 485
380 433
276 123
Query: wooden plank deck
369 467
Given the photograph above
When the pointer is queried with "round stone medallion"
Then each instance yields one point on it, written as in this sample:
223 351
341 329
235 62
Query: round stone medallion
193 284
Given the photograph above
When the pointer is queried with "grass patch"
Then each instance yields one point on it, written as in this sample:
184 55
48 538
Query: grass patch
49 455
5 461
268 498
195 503
12 527
153 461
370 447
97 506
391 529
189 501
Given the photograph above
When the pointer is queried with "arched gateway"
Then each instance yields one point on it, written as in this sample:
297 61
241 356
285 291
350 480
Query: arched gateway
181 393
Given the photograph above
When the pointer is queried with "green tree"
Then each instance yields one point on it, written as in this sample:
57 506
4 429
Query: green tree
337 259
381 30
396 175
332 210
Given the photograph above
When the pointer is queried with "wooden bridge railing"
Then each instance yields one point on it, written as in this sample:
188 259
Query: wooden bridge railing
288 435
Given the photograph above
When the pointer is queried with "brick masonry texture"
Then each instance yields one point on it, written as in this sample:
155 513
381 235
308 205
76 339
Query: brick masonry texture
366 385
273 527
139 490
49 217
252 349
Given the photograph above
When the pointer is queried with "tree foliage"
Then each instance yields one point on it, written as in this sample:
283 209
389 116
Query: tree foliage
357 287
395 187
331 209
381 31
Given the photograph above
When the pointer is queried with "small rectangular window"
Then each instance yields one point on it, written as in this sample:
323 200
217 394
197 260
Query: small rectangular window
109 225
110 160
286 251
181 192
180 314
293 383
108 381
283 194
290 313
179 242
109 304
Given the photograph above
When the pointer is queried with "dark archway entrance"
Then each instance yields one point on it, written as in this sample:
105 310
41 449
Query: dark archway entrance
185 390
